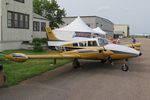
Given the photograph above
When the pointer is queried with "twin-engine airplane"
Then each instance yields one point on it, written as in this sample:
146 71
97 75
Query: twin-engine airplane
110 53
105 52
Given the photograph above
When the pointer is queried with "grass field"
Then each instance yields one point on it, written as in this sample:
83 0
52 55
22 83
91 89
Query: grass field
16 72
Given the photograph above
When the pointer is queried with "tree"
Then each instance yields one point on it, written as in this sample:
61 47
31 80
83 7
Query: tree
50 10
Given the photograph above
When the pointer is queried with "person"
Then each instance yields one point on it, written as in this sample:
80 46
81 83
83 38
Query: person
110 39
114 42
133 40
118 41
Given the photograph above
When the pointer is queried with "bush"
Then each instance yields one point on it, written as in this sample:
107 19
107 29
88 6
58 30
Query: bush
38 43
44 40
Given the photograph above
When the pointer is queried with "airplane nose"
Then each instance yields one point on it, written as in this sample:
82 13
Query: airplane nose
140 54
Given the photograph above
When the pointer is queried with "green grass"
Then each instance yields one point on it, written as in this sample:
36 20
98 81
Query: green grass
16 72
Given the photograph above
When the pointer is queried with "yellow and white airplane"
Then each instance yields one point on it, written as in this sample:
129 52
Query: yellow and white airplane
98 49
106 53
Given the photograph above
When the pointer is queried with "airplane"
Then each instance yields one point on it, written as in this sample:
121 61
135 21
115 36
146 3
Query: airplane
91 49
105 53
78 42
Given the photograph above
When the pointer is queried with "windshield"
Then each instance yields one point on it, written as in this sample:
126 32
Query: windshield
102 41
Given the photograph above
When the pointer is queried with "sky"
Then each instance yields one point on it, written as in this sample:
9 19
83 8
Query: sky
135 13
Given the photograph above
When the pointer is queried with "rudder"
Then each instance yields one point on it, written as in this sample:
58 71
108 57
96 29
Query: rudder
50 35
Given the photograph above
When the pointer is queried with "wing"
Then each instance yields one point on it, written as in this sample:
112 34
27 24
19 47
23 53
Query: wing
20 57
54 56
92 53
136 46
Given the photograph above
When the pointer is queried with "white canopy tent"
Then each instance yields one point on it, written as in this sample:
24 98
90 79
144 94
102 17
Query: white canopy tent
70 31
78 25
100 32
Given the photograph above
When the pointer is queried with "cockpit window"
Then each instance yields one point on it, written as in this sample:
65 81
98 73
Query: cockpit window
92 43
102 42
82 44
75 44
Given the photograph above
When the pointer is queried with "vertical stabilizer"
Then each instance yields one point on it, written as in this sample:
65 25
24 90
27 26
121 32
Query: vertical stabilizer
50 35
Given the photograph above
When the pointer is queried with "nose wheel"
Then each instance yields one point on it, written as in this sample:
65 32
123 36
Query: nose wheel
125 67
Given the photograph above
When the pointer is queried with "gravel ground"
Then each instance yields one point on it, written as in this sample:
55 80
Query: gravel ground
94 81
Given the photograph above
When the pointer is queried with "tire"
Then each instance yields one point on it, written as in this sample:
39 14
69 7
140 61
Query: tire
125 67
103 61
76 63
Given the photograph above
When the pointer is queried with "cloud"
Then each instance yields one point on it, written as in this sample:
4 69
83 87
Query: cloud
126 9
103 8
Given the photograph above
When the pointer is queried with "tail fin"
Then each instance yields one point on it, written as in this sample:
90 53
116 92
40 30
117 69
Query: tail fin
50 35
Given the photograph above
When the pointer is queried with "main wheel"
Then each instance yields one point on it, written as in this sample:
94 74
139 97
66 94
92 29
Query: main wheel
125 67
76 63
103 61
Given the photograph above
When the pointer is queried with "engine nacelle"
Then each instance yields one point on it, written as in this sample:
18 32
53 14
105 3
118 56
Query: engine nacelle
17 57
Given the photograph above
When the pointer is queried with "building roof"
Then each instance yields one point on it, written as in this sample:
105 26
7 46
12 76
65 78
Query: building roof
121 25
78 25
37 16
104 19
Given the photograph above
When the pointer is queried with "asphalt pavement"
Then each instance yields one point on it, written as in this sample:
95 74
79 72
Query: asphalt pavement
94 81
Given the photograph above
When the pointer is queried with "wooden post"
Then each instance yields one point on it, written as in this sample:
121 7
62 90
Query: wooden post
1 76
55 61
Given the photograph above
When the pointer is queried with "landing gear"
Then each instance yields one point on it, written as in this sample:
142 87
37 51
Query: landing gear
103 61
125 67
76 63
108 60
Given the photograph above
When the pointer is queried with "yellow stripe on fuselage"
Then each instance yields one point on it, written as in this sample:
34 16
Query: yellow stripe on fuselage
121 56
